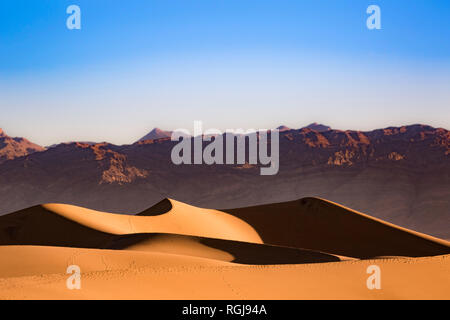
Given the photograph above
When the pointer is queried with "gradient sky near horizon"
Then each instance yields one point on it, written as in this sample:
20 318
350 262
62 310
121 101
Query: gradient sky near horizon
139 64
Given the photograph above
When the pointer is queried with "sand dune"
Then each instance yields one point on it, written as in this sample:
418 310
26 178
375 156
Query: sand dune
322 227
318 224
40 273
305 249
70 226
66 225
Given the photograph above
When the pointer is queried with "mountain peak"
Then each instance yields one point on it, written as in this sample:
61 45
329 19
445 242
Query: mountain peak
156 133
283 128
318 127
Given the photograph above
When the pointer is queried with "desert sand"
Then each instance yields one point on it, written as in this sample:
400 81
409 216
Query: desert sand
305 249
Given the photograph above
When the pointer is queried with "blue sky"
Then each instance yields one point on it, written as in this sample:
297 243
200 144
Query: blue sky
138 64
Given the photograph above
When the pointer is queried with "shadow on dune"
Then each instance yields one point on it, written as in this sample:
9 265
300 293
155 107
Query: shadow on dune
158 209
41 227
321 225
242 252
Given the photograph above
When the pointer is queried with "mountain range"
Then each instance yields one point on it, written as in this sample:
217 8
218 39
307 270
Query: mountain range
398 174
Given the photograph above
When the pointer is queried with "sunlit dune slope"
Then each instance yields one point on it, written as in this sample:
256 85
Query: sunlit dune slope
328 227
66 225
29 272
36 260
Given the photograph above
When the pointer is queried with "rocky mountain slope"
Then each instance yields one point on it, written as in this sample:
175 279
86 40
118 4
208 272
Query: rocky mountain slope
11 148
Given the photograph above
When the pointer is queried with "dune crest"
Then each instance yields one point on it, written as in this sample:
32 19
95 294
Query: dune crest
38 224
